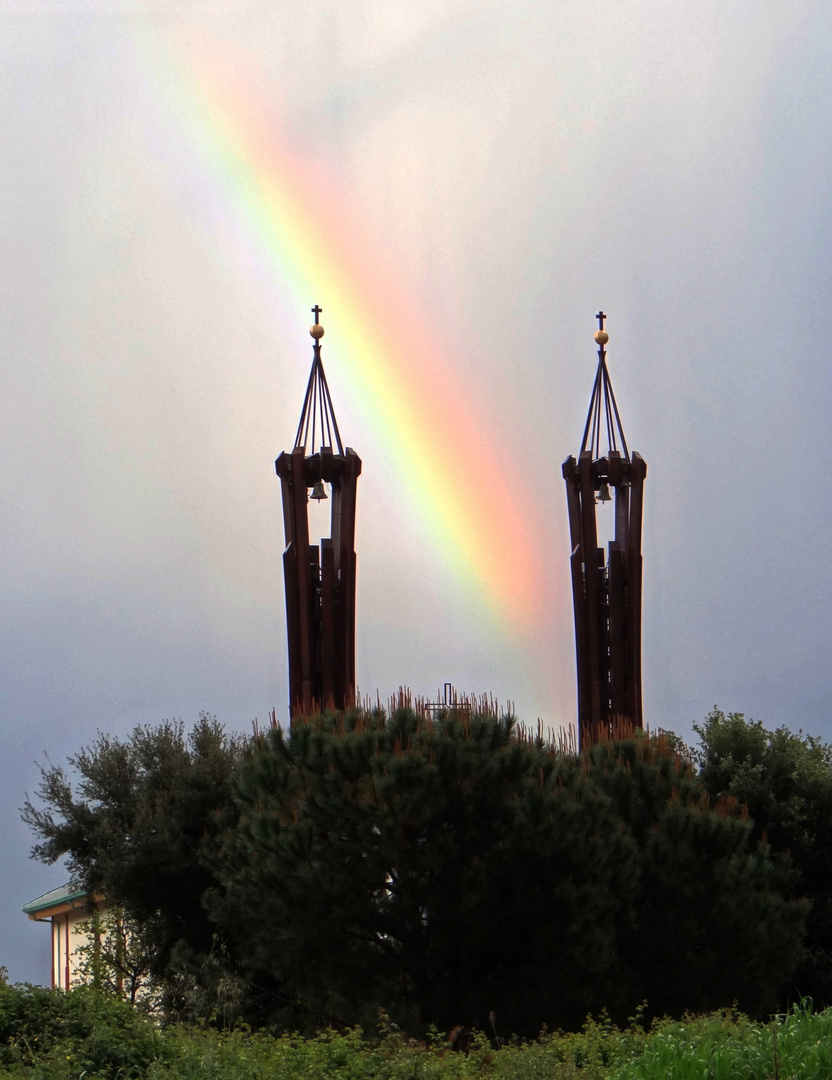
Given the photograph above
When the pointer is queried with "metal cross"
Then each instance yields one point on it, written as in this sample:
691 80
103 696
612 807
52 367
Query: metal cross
316 311
600 317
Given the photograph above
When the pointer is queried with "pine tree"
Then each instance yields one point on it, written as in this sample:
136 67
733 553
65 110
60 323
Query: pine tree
785 780
714 921
447 871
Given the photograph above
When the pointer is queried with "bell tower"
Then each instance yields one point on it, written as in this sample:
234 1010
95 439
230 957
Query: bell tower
319 580
606 587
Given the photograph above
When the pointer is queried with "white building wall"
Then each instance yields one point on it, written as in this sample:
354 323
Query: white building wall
67 937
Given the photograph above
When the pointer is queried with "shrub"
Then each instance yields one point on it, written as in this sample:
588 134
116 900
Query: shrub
79 1030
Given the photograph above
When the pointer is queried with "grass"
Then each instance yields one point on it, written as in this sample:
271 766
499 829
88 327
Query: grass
797 1046
46 1035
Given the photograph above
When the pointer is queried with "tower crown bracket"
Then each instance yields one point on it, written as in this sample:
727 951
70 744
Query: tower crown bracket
603 409
318 427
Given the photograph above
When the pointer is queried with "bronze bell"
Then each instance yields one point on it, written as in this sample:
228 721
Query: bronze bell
604 493
318 491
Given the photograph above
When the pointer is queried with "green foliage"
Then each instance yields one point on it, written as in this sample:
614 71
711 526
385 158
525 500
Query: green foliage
441 870
457 873
51 1033
452 871
795 1046
132 827
82 1035
116 957
713 920
785 779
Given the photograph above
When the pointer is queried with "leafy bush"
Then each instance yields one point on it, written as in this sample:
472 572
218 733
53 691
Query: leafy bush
74 1032
83 1035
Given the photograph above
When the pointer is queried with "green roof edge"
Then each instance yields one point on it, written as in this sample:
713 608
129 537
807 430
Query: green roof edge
64 895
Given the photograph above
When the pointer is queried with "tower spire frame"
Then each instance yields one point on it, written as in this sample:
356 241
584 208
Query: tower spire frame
319 580
606 592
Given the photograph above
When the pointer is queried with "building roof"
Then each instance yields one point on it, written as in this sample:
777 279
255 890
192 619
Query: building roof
60 899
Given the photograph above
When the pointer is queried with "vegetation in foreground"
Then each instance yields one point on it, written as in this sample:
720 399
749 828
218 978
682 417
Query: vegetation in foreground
432 869
442 869
85 1035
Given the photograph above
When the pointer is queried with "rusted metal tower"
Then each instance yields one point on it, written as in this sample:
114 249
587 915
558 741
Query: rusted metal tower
320 582
606 592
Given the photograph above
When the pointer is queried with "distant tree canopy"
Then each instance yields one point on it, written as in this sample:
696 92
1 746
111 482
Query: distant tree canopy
785 779
452 871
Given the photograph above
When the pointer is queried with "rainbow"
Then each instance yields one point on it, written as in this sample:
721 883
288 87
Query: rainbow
318 251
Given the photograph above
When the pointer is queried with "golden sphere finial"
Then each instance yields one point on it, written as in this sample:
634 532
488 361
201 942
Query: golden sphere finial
316 331
601 335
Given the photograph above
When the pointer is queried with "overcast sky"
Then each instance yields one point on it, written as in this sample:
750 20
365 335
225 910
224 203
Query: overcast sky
509 168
